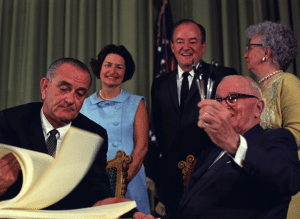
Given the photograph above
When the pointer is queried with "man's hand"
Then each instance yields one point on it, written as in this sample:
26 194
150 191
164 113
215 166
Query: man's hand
9 170
215 118
140 215
111 200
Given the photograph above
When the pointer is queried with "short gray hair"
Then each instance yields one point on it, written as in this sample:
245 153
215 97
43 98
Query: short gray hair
55 65
253 86
279 38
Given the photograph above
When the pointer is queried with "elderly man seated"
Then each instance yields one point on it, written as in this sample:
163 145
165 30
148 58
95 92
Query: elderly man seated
249 172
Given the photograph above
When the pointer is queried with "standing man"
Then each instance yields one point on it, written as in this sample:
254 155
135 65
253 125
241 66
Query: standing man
174 115
31 125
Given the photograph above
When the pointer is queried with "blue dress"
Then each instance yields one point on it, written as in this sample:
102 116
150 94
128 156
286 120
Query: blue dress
117 117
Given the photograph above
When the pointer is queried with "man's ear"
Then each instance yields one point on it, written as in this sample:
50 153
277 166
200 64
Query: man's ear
259 108
44 85
172 46
203 47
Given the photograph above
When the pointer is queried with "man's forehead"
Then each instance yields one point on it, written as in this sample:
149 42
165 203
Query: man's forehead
233 85
71 74
187 29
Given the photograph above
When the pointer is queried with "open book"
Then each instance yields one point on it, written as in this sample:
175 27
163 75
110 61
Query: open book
40 179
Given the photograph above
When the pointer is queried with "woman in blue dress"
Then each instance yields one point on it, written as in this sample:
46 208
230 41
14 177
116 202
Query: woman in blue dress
123 115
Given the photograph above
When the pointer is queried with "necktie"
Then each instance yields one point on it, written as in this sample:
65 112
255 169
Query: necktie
51 142
184 89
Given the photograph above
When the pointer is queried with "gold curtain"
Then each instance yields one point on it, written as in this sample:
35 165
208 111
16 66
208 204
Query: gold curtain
34 33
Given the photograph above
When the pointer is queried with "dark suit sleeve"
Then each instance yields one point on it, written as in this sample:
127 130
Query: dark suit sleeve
156 112
21 127
6 133
152 157
7 137
275 163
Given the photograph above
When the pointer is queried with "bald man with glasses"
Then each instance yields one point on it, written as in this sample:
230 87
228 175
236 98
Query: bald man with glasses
250 172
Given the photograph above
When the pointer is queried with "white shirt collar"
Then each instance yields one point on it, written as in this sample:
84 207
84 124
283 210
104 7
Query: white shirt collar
180 71
47 127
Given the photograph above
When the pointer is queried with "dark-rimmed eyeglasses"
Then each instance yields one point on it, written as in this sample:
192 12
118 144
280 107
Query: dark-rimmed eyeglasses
252 44
231 99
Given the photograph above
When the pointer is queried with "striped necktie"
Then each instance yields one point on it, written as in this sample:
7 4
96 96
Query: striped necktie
51 142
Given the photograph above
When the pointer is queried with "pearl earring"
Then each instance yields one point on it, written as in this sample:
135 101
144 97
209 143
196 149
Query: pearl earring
263 59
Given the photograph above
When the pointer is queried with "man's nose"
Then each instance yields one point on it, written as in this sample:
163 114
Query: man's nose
70 97
186 46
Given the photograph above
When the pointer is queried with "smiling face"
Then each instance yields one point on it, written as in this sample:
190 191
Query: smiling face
254 55
64 95
187 45
246 111
113 70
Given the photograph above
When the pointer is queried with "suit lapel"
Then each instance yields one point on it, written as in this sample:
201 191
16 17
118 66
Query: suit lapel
173 90
202 176
36 132
208 158
193 89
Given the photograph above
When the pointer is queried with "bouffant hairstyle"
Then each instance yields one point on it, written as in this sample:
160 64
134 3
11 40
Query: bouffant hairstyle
279 38
113 49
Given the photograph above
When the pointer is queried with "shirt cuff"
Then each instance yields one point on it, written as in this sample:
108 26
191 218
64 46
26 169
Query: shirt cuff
241 152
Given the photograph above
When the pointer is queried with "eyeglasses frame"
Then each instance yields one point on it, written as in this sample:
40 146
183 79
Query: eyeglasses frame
252 44
238 95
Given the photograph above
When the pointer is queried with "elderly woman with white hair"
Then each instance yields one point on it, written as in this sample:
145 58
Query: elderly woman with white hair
271 50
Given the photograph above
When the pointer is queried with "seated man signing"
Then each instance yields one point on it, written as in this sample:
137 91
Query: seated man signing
28 126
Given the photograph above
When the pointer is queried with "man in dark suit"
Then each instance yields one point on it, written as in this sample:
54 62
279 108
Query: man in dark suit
28 126
175 122
249 172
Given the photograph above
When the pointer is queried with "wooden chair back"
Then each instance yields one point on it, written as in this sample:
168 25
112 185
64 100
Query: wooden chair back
117 171
187 169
